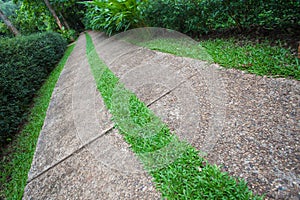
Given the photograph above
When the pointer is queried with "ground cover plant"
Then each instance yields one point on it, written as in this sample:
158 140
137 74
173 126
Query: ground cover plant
177 169
261 59
16 158
179 47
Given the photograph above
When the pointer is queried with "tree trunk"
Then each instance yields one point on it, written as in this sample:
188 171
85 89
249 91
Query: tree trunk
54 14
65 21
67 25
9 25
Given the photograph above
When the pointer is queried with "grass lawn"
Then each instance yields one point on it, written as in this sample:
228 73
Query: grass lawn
17 162
176 168
181 47
261 59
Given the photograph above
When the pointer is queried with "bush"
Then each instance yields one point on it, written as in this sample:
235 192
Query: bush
113 16
25 63
181 15
202 16
269 14
192 17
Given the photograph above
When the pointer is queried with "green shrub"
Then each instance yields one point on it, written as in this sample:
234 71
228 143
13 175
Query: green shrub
25 62
269 14
192 17
181 15
202 16
113 16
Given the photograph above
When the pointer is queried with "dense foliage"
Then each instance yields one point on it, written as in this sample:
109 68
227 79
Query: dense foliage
114 15
70 11
192 17
8 8
25 63
32 16
202 16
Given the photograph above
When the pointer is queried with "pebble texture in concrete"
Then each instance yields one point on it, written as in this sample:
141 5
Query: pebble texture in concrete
246 123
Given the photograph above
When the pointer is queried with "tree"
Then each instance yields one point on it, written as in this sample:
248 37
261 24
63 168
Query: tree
71 13
51 9
8 23
54 14
57 19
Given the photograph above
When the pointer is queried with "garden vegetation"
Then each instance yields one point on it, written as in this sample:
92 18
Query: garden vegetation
45 27
25 64
193 17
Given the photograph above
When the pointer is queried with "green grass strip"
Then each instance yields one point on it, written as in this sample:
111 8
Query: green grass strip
16 165
261 59
177 169
184 47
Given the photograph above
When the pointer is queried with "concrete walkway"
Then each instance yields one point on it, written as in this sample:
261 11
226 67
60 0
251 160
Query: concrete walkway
75 151
247 124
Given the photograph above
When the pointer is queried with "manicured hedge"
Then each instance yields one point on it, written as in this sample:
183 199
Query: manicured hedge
25 62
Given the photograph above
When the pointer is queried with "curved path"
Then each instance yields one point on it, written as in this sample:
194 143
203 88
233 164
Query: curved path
248 124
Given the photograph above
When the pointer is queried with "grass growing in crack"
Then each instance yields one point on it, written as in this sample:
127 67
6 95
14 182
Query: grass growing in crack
16 164
260 59
177 169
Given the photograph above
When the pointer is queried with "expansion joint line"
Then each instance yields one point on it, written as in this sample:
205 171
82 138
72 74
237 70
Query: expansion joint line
72 154
170 91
